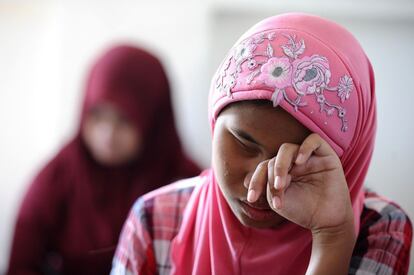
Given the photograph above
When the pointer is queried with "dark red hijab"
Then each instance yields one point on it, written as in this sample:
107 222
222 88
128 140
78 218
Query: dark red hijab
73 212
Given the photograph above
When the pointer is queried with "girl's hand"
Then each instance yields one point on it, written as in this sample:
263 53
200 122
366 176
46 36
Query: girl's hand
306 185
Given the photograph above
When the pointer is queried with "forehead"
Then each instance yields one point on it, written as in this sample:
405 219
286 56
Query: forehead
263 121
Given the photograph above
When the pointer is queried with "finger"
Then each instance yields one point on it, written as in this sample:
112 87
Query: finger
316 165
271 171
258 182
283 163
278 195
313 144
277 201
247 179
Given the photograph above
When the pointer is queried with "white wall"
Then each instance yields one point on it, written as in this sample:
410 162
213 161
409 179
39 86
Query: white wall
46 47
30 88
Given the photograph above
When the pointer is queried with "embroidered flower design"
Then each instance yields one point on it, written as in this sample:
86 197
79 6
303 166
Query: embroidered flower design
311 75
330 111
277 97
341 112
230 82
293 49
320 99
345 87
251 64
244 51
271 36
277 72
222 74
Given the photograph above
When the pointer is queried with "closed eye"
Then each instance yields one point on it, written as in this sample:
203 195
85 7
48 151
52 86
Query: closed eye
245 136
246 141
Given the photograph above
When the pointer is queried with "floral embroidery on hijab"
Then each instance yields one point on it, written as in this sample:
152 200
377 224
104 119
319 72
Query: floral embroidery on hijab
309 76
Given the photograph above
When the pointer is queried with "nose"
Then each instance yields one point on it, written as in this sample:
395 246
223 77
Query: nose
106 132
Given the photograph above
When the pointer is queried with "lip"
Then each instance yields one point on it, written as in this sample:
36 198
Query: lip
257 213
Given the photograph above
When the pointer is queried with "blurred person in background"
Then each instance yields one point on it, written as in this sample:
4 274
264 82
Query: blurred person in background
126 145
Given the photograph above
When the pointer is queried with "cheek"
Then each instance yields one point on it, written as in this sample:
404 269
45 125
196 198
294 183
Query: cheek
91 134
229 167
128 141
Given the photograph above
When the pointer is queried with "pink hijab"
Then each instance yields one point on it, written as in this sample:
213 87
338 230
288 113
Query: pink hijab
315 70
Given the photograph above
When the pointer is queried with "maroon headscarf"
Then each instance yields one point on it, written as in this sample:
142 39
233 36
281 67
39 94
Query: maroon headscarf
73 212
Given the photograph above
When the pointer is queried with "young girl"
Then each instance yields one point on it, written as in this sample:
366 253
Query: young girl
126 145
292 110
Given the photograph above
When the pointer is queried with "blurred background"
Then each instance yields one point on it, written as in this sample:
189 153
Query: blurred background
47 47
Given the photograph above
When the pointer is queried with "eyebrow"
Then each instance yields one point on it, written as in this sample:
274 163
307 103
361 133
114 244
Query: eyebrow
246 136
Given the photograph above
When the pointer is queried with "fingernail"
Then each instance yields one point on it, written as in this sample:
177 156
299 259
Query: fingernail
278 182
251 195
276 202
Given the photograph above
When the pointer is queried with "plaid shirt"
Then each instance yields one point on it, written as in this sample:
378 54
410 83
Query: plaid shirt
383 245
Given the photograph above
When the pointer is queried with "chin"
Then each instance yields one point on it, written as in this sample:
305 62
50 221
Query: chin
256 224
272 222
108 160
